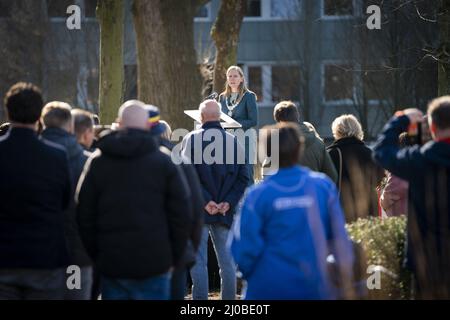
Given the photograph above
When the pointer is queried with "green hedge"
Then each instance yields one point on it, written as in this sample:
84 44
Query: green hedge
383 242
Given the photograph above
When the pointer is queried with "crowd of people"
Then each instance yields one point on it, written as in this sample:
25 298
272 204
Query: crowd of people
137 225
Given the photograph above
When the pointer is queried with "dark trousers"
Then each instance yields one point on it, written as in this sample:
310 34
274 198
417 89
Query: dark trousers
152 288
84 292
96 286
178 284
32 284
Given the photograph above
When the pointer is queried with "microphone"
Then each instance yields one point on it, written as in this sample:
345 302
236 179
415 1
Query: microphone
212 96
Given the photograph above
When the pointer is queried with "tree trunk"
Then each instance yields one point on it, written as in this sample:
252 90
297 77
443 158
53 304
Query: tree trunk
444 50
22 34
168 74
306 112
225 33
110 14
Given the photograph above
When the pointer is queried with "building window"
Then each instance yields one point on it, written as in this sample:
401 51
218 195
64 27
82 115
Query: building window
273 83
255 80
376 83
90 7
202 12
5 8
266 10
338 84
287 9
58 8
253 8
338 7
285 83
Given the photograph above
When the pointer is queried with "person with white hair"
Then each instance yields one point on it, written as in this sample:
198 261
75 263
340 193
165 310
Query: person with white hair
133 210
223 180
358 175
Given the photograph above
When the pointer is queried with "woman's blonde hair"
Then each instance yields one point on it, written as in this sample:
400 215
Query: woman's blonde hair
242 87
347 126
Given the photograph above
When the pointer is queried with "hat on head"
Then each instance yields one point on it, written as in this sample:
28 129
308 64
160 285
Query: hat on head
154 117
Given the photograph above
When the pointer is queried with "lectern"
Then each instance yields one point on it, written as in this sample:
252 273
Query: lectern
225 120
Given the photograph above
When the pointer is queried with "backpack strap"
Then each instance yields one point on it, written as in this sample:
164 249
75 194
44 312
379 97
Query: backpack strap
340 169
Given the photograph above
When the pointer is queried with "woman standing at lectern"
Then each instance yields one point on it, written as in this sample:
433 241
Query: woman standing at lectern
239 103
237 100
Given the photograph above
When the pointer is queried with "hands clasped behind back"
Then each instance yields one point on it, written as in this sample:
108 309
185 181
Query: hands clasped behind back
213 208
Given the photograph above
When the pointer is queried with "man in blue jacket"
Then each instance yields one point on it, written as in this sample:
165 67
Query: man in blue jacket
220 163
288 227
427 169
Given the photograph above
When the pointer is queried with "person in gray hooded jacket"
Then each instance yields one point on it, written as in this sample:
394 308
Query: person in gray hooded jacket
314 156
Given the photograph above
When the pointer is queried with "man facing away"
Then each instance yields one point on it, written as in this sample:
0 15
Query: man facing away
160 130
315 156
133 210
83 128
427 169
57 122
216 154
35 188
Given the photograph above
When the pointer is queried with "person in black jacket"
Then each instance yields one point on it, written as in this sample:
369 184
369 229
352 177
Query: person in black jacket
358 175
35 189
83 128
57 122
133 210
427 169
161 131
224 179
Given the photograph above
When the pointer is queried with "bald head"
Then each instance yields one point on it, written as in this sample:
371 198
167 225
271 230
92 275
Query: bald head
209 111
133 114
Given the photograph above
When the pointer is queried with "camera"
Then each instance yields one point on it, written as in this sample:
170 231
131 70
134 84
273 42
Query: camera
419 133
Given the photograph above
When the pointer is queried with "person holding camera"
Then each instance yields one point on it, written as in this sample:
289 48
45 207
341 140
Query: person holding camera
427 169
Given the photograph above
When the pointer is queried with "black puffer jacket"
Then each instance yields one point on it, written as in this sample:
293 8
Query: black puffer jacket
197 202
34 192
133 207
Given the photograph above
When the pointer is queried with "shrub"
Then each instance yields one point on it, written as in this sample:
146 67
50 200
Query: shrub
383 241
